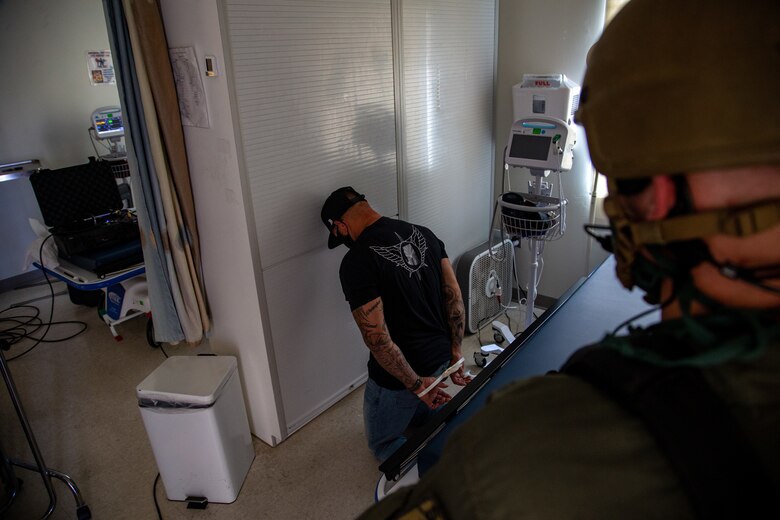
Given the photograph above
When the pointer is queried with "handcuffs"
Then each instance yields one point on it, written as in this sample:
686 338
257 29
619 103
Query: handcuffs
450 370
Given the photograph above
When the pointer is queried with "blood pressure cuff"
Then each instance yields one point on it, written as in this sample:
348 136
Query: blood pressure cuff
525 224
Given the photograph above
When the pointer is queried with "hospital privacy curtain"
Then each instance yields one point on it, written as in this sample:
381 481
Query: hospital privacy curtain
159 170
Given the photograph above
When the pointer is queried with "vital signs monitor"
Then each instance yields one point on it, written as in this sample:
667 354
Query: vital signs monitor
541 143
107 122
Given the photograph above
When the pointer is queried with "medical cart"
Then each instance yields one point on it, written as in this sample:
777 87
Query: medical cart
125 293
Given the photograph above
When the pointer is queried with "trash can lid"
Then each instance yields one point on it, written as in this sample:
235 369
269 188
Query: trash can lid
187 380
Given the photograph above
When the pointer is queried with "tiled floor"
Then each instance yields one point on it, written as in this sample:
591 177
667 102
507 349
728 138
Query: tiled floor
80 401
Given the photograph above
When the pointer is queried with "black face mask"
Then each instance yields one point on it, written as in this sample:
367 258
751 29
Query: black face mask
344 239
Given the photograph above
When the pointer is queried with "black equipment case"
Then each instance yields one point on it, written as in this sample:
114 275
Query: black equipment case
82 207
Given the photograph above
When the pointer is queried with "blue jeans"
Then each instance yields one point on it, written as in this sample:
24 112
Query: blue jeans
387 414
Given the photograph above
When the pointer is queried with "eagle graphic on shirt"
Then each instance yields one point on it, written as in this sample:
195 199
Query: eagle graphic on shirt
408 253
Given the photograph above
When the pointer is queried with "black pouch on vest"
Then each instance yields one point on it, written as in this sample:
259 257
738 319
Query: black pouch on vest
717 467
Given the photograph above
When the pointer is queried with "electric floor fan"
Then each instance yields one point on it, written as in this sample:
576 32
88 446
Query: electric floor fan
485 277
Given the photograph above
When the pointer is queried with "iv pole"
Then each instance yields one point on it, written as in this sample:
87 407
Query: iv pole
534 247
82 510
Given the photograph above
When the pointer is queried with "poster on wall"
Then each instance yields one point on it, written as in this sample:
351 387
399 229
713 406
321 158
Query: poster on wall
189 87
100 67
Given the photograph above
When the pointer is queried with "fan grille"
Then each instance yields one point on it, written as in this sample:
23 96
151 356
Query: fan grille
485 272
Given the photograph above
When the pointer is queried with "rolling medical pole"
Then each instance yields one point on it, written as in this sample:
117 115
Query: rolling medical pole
82 510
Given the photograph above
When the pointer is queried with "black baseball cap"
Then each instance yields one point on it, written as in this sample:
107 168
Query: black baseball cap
334 208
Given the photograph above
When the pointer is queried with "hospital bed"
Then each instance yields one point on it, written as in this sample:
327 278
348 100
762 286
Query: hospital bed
591 308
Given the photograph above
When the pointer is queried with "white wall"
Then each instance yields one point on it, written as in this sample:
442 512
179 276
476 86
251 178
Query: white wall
541 37
46 100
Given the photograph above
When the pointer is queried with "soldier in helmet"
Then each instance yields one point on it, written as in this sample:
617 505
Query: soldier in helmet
681 109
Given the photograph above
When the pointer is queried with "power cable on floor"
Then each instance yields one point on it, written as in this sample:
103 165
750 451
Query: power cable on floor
154 494
16 328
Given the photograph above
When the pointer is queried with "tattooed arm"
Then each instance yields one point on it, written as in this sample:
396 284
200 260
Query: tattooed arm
370 319
456 316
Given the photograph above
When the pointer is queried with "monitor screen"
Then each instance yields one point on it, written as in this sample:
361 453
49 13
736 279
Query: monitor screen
530 147
108 123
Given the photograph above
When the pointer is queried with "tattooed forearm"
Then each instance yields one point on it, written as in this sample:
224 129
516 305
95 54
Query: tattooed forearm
395 363
456 314
453 304
374 330
370 320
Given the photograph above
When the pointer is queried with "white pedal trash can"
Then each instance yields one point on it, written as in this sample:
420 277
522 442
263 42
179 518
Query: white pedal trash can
193 410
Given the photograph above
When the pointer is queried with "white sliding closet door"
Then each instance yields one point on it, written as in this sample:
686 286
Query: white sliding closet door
313 83
447 63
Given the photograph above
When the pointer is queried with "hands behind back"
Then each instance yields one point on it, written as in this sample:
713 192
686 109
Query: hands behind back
436 396
459 377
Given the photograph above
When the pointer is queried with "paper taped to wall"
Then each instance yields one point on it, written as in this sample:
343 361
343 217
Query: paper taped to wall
189 87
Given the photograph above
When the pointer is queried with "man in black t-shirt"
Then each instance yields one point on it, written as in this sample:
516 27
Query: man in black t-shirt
406 301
